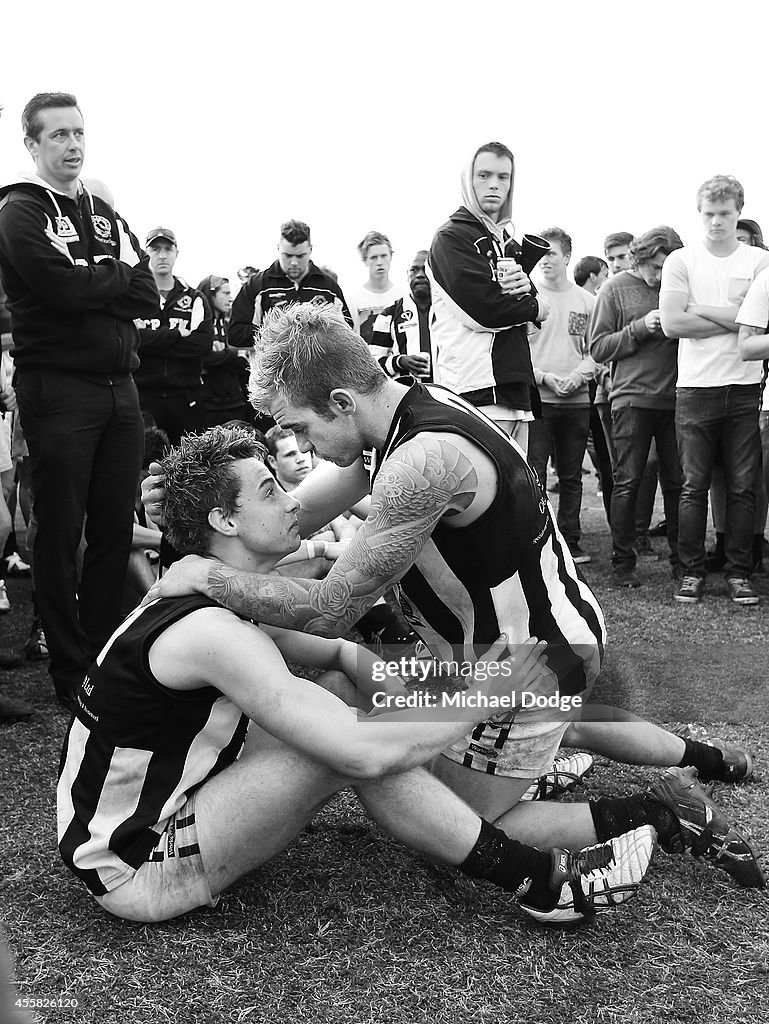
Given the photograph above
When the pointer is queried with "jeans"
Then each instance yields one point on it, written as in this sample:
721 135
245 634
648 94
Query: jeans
633 429
601 455
564 429
85 447
709 422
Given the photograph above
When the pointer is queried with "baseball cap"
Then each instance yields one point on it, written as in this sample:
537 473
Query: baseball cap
165 233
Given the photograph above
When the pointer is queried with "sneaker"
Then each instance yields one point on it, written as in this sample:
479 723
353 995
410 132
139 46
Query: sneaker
625 578
690 590
14 710
15 566
738 763
703 828
643 547
568 771
741 591
660 530
5 604
598 878
9 658
580 557
36 646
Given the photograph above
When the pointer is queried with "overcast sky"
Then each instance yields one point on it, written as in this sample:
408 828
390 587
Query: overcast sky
221 120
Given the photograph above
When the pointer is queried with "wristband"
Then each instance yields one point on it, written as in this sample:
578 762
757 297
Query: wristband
310 549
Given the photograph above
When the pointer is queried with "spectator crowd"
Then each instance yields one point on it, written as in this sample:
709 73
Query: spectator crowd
648 363
385 469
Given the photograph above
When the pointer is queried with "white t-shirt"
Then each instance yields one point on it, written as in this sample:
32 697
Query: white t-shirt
712 281
754 312
368 305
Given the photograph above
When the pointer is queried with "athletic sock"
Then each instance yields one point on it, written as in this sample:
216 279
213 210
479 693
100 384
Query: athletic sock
707 760
514 867
11 545
613 816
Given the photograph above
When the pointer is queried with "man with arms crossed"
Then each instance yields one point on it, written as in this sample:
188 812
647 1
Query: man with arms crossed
459 522
158 808
717 395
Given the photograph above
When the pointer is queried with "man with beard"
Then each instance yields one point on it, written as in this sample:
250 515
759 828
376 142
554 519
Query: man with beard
481 311
401 336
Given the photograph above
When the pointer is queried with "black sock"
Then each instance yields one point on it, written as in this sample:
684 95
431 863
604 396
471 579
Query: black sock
511 865
706 759
758 552
10 544
612 816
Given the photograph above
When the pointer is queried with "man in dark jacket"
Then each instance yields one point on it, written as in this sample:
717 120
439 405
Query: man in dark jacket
293 277
173 342
75 280
481 308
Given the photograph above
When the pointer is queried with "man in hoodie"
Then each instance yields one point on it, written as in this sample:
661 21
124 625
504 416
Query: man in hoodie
75 280
480 317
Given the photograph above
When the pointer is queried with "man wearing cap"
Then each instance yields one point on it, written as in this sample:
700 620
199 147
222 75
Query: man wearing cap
76 280
293 277
172 345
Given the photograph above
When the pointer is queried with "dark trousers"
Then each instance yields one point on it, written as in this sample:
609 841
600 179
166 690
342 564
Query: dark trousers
182 413
85 447
563 429
633 430
602 455
710 422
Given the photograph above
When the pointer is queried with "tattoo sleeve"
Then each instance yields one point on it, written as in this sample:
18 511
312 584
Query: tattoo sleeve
426 478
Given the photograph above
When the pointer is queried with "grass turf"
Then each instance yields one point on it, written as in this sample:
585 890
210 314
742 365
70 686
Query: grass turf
346 925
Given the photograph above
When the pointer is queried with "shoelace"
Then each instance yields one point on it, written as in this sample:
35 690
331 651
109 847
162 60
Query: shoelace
594 859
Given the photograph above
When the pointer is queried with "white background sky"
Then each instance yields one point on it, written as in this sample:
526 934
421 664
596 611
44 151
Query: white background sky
221 120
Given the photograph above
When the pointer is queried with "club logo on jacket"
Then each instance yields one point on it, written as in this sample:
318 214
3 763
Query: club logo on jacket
102 228
184 302
66 229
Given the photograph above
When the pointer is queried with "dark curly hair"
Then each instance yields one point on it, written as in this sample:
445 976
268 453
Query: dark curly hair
198 478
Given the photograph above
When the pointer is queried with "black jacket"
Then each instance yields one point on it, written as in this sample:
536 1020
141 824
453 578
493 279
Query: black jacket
272 288
74 314
170 363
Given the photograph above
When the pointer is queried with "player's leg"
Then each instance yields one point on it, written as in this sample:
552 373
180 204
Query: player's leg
626 738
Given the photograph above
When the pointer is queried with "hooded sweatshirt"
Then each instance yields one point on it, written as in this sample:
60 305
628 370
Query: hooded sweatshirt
71 313
479 333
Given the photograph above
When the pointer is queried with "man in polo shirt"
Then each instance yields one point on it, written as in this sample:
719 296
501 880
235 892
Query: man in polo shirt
293 277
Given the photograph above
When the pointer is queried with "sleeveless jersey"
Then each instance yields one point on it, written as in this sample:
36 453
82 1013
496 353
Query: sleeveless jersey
508 572
136 750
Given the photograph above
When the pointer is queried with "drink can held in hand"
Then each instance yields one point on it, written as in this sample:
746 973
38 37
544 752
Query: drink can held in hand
506 266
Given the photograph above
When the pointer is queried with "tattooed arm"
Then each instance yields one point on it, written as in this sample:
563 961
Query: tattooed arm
428 477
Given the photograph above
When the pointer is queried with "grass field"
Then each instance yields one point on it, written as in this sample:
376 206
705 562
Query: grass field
348 926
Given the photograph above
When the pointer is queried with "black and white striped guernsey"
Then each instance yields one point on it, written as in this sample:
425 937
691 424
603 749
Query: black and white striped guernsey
510 571
136 750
